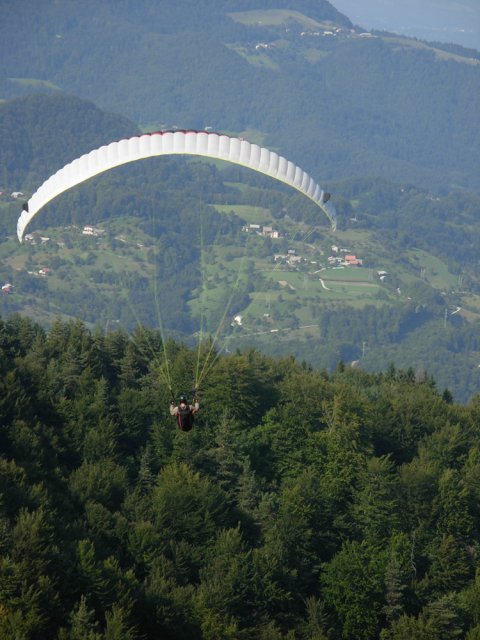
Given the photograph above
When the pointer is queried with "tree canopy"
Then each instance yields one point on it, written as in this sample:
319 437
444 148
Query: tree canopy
303 505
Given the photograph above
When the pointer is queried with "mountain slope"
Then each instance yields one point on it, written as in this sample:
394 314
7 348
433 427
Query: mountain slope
41 133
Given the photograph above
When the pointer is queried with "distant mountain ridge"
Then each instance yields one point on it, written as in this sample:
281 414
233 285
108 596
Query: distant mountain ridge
339 103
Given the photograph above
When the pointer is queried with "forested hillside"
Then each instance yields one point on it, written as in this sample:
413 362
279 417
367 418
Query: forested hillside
340 104
41 133
173 254
302 505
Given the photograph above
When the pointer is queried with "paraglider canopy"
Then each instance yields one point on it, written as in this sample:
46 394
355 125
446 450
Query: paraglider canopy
190 142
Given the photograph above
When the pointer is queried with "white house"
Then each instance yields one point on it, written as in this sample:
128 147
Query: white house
89 230
252 227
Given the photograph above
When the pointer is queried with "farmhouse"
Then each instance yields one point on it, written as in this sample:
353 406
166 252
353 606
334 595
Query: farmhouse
266 231
382 275
269 232
352 260
89 230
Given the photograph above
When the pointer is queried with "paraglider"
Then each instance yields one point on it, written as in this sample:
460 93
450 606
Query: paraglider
181 142
201 143
184 411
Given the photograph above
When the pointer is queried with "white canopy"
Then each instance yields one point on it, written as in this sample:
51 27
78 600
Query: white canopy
201 143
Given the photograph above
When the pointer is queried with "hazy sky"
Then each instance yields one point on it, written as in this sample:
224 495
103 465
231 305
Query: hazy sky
444 20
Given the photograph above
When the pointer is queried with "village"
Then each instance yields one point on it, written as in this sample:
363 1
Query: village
35 238
341 256
326 31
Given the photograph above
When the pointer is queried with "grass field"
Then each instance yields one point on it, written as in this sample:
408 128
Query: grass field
440 54
315 55
433 270
275 18
249 214
259 60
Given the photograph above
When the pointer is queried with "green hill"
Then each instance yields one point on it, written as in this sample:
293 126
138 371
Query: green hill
41 133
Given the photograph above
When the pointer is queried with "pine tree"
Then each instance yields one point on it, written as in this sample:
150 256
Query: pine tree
226 590
83 623
375 501
451 566
247 492
408 628
146 478
394 589
352 587
117 626
316 624
443 617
